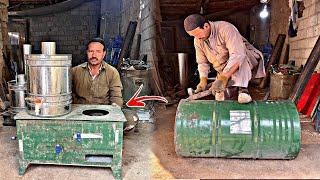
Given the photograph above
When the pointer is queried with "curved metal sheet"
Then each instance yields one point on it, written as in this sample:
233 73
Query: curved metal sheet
259 130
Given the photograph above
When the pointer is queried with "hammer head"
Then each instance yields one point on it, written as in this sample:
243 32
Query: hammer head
190 91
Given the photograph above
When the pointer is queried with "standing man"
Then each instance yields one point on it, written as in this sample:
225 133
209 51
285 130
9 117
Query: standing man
96 82
221 45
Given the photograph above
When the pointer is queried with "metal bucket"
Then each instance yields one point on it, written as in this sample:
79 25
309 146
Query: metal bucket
281 86
258 130
49 87
17 93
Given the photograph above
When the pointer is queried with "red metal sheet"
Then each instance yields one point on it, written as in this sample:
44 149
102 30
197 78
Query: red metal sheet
310 95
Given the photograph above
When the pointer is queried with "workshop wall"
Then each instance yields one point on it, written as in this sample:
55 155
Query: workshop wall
177 40
110 19
151 41
308 33
71 30
279 23
130 11
3 34
149 20
279 19
259 28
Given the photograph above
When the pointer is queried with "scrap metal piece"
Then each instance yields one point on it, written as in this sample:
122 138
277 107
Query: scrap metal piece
200 95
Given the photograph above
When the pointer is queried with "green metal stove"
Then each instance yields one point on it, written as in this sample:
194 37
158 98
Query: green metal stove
91 135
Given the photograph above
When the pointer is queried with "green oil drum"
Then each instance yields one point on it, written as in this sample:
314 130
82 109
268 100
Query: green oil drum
258 130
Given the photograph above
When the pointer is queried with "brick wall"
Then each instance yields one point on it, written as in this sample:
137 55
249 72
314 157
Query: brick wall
149 20
110 21
71 30
150 38
308 33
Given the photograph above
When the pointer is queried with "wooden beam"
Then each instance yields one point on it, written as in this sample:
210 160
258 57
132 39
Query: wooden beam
178 1
126 46
274 59
179 5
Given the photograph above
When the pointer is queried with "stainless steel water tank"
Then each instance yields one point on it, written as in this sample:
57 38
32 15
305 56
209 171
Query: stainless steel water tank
49 84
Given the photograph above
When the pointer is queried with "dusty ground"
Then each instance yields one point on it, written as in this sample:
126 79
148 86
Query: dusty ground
149 154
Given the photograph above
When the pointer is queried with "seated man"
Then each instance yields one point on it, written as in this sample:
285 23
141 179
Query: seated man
96 82
221 45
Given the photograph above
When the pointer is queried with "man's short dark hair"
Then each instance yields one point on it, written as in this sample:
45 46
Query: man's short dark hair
194 21
99 40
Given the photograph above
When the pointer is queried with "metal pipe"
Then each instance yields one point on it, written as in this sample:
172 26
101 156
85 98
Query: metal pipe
48 48
27 48
183 69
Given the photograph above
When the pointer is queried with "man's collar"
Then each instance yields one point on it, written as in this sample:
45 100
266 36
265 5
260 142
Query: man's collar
213 30
84 65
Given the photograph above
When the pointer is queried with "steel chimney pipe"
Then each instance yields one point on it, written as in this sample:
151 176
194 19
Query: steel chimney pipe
48 48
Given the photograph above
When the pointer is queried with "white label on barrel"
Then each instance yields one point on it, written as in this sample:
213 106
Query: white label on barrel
240 122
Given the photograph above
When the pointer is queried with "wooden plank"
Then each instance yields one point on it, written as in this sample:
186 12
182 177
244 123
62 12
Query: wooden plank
285 58
137 50
307 71
178 1
126 46
181 5
275 56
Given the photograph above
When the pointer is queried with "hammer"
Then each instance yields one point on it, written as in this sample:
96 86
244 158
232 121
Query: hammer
193 96
207 92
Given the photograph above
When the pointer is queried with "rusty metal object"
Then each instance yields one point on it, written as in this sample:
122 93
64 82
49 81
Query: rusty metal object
281 86
200 95
229 93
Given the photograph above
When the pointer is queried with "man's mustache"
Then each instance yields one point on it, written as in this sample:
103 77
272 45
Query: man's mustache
93 58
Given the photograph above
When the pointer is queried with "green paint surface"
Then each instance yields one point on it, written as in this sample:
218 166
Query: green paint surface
259 130
72 139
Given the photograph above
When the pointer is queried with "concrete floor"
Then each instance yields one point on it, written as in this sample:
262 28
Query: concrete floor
149 154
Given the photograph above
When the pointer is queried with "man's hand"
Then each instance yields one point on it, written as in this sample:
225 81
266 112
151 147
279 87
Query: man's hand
220 84
202 85
116 105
